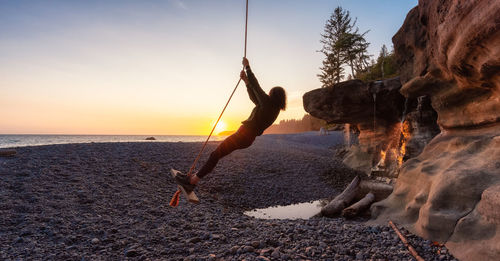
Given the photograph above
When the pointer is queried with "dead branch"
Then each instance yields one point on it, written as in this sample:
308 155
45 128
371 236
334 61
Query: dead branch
403 238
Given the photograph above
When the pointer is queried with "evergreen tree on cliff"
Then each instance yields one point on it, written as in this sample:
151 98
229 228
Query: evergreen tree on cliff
342 45
385 67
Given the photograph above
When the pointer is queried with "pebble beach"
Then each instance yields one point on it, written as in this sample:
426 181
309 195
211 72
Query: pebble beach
109 201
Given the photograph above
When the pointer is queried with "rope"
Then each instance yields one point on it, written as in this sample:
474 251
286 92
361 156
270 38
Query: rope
246 25
175 199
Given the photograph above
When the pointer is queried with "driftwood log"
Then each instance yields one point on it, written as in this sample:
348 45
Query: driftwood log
379 190
358 207
343 200
7 153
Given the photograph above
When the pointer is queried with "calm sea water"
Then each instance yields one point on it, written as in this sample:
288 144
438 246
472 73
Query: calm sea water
9 141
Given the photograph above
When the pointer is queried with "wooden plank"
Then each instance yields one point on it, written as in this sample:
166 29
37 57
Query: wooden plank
190 196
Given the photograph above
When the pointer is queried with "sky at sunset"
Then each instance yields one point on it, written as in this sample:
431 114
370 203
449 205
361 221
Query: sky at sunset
164 66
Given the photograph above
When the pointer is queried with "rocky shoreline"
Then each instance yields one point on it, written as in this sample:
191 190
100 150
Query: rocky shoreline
102 201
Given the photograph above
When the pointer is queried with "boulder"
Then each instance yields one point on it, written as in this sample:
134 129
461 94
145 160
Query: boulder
150 138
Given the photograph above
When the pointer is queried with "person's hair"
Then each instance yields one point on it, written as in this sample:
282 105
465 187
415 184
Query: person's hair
278 97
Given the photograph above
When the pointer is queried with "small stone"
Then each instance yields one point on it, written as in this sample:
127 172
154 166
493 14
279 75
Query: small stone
247 249
255 244
191 250
265 251
194 240
18 240
95 241
359 256
131 253
263 258
70 248
275 253
234 249
442 257
216 236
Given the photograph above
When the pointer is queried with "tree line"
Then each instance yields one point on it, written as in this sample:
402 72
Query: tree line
307 123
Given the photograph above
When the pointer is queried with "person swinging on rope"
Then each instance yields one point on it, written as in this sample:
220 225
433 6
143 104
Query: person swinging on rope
266 110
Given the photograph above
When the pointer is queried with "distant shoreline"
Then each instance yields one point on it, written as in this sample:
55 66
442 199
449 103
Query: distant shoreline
26 140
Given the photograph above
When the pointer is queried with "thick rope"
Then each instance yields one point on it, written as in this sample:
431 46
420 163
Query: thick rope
246 26
175 199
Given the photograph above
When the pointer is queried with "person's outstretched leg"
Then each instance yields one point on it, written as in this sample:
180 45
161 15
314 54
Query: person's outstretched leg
243 138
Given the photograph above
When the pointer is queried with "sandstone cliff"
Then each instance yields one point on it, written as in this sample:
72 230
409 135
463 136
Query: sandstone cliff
450 51
448 189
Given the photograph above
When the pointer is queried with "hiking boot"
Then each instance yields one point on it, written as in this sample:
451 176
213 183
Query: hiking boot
183 181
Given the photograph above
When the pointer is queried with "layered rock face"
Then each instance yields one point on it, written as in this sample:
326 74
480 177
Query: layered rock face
381 114
375 108
450 51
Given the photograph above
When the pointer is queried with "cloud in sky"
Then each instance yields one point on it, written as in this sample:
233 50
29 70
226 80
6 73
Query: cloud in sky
179 4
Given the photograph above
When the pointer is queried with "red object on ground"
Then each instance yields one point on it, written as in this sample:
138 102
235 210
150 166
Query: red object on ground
174 202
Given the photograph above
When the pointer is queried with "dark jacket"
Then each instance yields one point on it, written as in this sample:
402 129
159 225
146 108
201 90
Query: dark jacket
265 112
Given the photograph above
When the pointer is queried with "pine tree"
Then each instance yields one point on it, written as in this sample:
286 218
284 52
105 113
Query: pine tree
342 45
355 51
335 28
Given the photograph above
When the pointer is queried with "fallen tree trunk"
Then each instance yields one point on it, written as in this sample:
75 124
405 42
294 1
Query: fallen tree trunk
7 153
358 207
343 200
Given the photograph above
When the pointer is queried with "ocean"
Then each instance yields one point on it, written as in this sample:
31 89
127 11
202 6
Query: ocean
9 141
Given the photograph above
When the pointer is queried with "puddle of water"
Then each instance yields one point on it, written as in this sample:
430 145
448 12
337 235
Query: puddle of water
296 211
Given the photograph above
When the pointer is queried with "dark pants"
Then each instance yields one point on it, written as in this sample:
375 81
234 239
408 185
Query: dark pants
241 139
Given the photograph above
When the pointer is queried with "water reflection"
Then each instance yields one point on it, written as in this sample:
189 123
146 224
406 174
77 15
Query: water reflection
296 211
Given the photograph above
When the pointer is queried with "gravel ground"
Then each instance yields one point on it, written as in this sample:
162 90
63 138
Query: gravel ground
109 201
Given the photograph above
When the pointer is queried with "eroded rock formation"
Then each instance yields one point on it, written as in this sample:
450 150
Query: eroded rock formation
377 109
450 51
